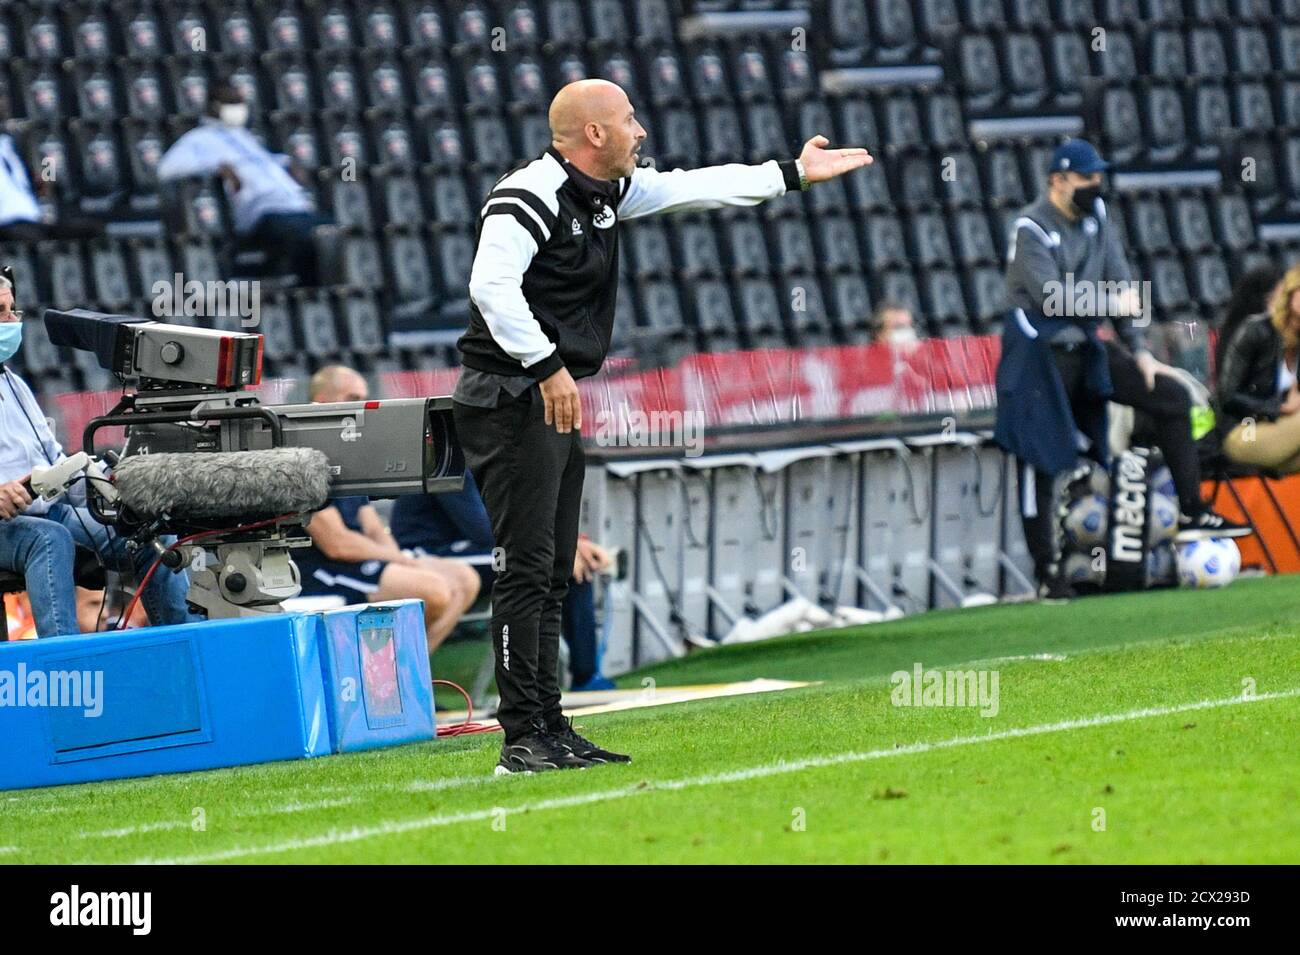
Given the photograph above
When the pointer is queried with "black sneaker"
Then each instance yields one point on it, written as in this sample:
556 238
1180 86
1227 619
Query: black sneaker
582 747
1208 524
1055 589
536 753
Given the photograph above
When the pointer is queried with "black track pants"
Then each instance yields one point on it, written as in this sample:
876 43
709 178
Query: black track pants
530 477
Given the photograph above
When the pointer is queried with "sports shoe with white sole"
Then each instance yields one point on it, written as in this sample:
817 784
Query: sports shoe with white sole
1208 524
582 747
535 753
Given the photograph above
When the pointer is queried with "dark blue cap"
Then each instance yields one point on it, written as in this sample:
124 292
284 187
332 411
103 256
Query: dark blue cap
1077 155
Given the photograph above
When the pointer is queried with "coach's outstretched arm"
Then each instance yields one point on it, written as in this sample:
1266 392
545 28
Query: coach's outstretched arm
648 191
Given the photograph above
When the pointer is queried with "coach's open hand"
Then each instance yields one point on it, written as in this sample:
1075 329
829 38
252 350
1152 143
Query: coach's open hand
563 407
820 164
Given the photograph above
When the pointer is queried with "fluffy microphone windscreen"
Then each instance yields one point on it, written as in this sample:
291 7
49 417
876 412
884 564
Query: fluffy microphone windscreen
224 484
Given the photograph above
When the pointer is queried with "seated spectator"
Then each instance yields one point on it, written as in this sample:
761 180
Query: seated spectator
20 213
272 210
1252 294
455 523
38 538
892 322
1258 397
354 555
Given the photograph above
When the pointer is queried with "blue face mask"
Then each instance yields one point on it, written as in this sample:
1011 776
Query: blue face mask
11 337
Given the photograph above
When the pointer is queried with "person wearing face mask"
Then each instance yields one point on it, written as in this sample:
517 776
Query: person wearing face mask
892 324
38 537
1067 274
21 218
272 210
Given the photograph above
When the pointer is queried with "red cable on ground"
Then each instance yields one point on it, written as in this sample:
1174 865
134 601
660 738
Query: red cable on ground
144 581
462 729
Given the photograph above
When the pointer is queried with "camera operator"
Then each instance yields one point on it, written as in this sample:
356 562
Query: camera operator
37 538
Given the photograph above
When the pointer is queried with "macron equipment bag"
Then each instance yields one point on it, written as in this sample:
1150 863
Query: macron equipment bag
1130 517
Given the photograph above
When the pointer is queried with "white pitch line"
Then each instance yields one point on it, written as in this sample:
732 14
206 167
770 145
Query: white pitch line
135 830
197 779
5 850
185 823
356 834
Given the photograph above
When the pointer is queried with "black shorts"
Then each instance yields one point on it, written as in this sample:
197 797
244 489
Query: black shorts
355 582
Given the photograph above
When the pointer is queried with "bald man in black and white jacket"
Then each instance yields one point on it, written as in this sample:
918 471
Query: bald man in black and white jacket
542 296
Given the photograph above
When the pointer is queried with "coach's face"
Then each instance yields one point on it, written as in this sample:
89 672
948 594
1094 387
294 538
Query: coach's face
621 134
7 313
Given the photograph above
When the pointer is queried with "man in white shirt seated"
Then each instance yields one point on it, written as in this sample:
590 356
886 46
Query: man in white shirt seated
272 210
37 537
21 217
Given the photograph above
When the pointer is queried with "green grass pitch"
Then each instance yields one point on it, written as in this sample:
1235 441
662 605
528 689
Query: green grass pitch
1159 727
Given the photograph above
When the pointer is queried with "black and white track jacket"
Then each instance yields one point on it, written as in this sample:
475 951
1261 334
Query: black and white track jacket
545 275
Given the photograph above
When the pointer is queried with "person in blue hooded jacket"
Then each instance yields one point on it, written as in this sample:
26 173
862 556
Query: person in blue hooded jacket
1067 276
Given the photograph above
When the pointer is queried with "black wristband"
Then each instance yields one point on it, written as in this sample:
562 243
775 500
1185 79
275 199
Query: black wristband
791 173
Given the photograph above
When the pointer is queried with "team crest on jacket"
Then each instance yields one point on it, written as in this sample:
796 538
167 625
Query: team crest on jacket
604 218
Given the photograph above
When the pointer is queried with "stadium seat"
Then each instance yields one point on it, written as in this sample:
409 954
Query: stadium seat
660 306
837 246
1150 227
987 293
315 318
361 261
979 71
974 242
1211 117
899 286
649 248
760 312
869 191
1026 72
1211 284
142 35
1192 223
747 247
943 301
1166 129
944 121
983 16
109 275
1250 51
697 249
1121 124
1167 54
850 301
62 274
915 187
409 268
930 245
1170 285
765 132
711 308
1003 185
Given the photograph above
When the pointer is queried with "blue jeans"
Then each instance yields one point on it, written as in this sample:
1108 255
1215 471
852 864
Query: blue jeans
42 551
53 602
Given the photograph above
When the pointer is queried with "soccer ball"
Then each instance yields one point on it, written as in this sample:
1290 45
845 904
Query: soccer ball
1213 562
1078 570
1164 519
1085 521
